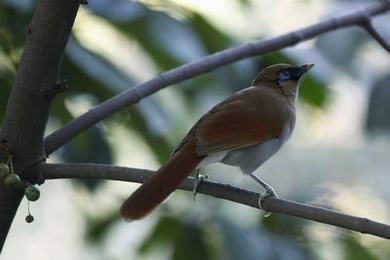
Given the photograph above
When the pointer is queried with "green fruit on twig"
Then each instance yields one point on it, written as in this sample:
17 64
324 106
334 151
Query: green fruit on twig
4 170
32 193
12 180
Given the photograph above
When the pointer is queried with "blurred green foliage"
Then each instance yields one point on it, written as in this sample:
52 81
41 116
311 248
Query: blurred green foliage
185 237
98 227
354 250
92 73
378 119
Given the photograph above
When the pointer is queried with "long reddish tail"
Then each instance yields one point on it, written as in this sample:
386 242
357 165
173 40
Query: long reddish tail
164 182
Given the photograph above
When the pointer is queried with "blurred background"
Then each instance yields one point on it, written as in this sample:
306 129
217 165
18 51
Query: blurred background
338 156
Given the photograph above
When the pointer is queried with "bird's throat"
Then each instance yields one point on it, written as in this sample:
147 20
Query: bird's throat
290 90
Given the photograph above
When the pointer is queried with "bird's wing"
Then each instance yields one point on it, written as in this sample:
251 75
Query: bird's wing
247 118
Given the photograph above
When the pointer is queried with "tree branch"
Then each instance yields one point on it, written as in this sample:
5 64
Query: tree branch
374 34
203 65
223 191
27 111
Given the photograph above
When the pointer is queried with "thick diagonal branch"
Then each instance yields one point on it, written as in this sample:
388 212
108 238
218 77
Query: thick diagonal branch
223 191
203 65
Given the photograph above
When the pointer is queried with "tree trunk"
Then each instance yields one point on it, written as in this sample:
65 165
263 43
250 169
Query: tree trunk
28 107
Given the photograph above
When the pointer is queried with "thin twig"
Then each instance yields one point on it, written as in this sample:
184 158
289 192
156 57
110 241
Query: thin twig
223 191
200 66
374 34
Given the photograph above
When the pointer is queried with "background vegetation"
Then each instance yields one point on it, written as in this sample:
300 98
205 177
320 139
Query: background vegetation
338 155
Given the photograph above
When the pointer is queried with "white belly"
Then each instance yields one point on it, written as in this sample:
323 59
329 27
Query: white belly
250 158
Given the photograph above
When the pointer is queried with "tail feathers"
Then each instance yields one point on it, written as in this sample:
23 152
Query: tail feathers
164 182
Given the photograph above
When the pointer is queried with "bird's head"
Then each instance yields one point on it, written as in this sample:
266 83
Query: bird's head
283 76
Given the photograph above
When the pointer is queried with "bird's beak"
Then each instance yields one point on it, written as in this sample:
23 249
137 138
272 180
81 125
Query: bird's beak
304 68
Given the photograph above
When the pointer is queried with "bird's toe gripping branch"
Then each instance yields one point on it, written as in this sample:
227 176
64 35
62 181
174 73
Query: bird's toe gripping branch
269 192
198 179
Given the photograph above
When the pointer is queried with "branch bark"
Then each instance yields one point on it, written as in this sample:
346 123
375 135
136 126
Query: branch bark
203 65
374 34
27 111
223 191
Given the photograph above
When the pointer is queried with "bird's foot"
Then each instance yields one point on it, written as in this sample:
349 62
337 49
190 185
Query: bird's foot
269 192
198 179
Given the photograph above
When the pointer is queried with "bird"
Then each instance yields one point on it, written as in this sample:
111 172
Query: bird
244 130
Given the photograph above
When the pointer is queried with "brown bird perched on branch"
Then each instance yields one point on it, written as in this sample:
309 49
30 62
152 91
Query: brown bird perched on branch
244 130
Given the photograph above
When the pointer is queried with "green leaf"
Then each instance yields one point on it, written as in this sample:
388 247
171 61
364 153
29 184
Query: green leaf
190 244
140 30
313 91
97 227
353 250
211 37
285 226
185 238
163 233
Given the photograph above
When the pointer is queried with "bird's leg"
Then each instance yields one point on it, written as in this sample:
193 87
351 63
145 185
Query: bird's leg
198 178
269 191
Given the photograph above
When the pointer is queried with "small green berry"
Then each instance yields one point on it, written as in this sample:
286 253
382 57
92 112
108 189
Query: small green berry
4 170
32 193
12 180
29 218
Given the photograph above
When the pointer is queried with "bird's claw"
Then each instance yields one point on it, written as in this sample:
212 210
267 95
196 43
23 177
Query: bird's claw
197 182
270 192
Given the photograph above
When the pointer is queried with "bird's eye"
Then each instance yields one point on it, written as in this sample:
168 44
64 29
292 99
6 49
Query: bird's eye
284 75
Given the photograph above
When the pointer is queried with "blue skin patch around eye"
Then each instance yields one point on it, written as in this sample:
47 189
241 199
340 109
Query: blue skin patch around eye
284 75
